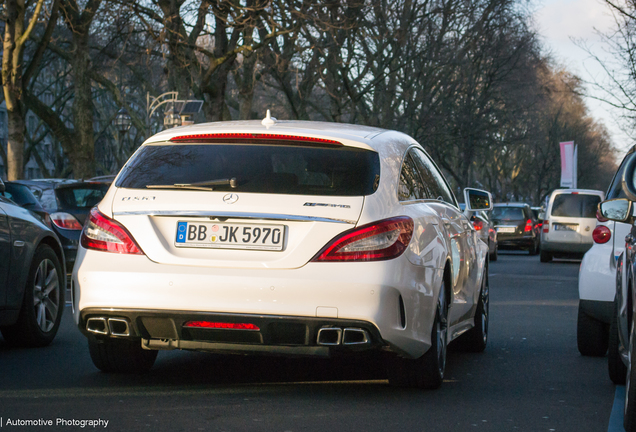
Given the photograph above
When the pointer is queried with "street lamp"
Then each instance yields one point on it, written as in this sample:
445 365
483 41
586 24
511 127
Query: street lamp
179 113
122 121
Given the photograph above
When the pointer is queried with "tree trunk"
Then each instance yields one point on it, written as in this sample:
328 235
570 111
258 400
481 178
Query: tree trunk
15 143
83 156
15 36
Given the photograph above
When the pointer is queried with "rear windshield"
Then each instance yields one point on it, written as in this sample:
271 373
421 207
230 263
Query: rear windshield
80 197
20 194
273 169
575 205
507 213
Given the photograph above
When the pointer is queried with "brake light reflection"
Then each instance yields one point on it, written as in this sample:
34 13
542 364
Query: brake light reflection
221 325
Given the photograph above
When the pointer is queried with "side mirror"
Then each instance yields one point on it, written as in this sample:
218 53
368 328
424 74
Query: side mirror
477 200
619 210
2 188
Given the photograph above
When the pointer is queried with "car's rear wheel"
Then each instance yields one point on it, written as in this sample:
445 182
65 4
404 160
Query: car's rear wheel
43 302
629 419
426 372
616 368
121 356
592 335
545 256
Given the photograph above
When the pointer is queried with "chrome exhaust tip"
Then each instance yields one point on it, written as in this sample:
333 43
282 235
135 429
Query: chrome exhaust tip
118 327
97 326
329 336
355 336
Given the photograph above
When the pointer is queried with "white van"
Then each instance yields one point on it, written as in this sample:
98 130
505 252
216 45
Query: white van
569 221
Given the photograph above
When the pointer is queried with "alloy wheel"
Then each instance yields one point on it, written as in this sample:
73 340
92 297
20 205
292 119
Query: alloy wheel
46 295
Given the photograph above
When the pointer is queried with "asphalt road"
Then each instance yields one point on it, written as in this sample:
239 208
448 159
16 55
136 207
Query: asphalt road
530 378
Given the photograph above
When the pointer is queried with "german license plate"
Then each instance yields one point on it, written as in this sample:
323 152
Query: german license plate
506 229
230 236
566 227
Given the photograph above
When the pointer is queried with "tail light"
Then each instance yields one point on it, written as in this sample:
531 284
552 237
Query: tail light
104 234
377 241
600 217
65 221
546 227
528 226
601 234
478 225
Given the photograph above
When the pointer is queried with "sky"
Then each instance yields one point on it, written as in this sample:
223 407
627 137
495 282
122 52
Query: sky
558 22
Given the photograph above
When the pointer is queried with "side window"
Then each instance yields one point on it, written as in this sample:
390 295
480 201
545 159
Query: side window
615 190
410 186
433 179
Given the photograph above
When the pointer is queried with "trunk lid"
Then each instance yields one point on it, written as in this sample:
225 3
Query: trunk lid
306 224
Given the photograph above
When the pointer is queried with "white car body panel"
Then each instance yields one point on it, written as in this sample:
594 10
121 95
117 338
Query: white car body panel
597 275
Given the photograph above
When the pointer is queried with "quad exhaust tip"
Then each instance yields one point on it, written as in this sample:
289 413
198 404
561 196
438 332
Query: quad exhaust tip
118 327
106 326
97 326
334 336
355 336
329 336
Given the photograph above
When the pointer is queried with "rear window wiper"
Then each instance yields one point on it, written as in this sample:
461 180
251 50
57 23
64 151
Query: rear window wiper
207 185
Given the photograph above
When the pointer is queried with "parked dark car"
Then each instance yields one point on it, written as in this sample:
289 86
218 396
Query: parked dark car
32 277
622 342
486 230
67 203
516 227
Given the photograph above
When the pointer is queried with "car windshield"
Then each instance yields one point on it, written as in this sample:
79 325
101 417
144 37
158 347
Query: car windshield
575 205
507 213
275 169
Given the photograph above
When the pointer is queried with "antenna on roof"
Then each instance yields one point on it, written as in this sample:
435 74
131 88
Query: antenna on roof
268 120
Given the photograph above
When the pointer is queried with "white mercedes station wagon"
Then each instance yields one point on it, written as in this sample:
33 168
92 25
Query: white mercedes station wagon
285 238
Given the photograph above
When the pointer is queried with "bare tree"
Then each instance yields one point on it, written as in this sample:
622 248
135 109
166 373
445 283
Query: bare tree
15 76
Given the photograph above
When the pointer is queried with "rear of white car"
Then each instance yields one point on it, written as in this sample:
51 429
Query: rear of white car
232 237
569 222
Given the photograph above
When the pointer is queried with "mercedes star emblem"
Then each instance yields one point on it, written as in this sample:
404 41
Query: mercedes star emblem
230 198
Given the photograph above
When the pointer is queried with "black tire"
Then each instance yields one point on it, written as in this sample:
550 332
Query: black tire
493 256
545 256
42 304
121 356
592 336
426 372
629 419
476 339
615 366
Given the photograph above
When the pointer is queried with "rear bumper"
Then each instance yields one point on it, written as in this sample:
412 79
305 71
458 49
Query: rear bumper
565 248
167 330
379 297
504 242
